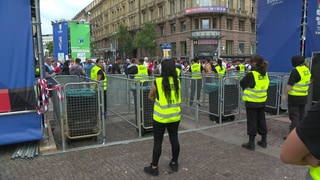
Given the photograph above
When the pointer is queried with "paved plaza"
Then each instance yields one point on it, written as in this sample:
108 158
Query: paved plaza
207 153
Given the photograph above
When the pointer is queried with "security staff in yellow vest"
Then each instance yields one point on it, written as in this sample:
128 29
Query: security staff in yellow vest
98 74
255 85
139 71
196 70
302 146
166 92
297 90
219 68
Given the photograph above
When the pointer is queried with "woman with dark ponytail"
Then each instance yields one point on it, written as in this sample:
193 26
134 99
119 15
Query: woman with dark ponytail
219 68
166 92
255 85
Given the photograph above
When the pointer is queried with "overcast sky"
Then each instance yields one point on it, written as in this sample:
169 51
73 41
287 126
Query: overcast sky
51 10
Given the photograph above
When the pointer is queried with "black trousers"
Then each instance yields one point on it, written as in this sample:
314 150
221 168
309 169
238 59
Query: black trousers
256 121
158 132
296 113
196 85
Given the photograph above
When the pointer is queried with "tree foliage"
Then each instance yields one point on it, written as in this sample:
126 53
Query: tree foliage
49 46
146 39
124 41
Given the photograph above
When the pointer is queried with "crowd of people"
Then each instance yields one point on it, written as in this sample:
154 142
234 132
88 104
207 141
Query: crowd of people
302 145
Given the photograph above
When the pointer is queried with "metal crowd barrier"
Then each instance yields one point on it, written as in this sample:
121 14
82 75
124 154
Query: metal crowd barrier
277 86
219 98
78 107
127 99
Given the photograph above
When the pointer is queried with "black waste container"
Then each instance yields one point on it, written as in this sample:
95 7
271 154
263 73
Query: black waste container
230 100
146 105
82 111
271 103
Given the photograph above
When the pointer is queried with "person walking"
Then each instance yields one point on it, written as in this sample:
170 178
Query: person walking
297 91
196 70
302 146
255 85
166 92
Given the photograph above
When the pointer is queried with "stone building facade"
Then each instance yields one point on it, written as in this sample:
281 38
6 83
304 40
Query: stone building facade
205 28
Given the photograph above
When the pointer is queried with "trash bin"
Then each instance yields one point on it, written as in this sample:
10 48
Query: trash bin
272 104
82 112
230 100
147 107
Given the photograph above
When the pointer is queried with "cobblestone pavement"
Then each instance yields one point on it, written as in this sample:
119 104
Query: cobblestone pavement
213 153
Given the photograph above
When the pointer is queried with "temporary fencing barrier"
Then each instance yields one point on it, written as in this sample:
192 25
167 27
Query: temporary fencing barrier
79 112
129 111
278 82
127 96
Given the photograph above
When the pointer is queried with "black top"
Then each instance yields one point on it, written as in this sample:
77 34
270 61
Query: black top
309 130
295 100
116 69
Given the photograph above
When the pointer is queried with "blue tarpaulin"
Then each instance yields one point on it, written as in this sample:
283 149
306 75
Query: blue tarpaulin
17 75
279 32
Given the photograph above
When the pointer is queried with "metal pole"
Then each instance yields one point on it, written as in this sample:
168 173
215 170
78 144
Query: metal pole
304 25
39 39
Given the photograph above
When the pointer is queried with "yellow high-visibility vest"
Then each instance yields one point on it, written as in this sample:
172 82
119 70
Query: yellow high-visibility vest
301 88
196 71
142 73
94 75
259 92
167 110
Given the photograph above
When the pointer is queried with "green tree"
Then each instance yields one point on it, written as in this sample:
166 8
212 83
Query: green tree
124 41
146 39
49 46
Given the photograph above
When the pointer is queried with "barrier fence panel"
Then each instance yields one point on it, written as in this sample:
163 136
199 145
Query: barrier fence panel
128 106
277 86
79 110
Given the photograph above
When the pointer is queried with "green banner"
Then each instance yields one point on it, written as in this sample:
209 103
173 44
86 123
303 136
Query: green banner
80 40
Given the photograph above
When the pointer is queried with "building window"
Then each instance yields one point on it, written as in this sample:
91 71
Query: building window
253 48
183 26
241 48
144 17
182 5
173 28
229 4
131 6
253 27
253 5
205 23
196 23
214 23
152 14
204 3
183 45
241 5
174 49
161 30
229 24
229 47
172 7
241 25
160 11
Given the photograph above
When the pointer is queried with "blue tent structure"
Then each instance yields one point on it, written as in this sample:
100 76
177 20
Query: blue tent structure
19 119
287 28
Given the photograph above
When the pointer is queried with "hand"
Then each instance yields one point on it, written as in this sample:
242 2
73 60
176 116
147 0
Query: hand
284 97
312 161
